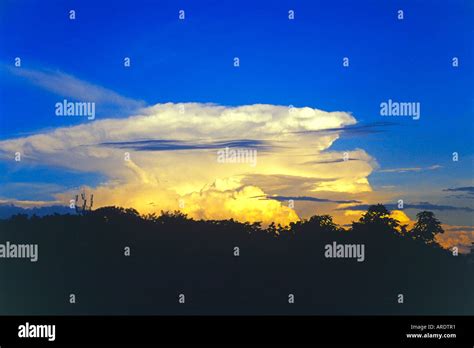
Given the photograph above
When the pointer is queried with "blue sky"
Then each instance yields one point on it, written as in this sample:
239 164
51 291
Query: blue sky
282 62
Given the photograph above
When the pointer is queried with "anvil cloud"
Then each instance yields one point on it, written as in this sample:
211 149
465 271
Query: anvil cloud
164 158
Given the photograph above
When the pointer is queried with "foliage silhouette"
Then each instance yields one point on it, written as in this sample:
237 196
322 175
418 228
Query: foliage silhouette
171 253
427 227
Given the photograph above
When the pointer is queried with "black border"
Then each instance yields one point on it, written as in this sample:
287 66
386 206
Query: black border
139 330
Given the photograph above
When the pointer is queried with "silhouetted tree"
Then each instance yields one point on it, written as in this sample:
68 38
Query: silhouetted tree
324 222
377 217
172 217
427 227
84 208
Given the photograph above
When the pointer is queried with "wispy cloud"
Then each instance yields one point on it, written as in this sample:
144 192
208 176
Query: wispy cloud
339 160
68 86
356 129
409 169
29 204
466 189
172 145
418 206
307 199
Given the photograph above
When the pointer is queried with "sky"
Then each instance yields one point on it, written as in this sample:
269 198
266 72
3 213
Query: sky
314 122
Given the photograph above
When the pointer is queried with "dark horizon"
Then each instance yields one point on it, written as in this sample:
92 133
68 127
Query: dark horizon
116 261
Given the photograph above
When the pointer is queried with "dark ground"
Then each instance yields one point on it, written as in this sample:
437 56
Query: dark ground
170 254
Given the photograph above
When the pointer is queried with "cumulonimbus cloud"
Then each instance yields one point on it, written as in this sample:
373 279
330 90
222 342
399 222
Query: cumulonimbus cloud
164 158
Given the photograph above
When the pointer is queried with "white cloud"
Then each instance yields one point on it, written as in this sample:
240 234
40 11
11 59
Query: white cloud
155 180
410 169
66 85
